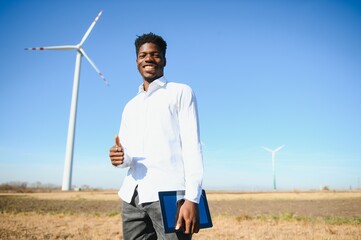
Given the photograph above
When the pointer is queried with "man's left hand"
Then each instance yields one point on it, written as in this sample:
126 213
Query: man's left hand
188 217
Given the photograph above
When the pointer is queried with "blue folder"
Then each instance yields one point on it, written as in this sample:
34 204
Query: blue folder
168 203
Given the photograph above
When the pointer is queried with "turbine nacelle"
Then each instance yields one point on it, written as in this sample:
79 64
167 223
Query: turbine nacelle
273 151
78 47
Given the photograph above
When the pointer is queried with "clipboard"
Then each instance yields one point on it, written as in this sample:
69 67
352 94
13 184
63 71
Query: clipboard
168 203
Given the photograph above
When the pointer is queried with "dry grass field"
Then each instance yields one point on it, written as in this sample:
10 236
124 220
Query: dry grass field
236 215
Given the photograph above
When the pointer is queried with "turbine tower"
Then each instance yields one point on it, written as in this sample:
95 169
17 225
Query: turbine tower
66 186
273 152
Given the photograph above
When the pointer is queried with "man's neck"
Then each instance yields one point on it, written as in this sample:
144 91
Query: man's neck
147 82
146 85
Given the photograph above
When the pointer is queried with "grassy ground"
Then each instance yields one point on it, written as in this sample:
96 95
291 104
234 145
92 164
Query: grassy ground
235 215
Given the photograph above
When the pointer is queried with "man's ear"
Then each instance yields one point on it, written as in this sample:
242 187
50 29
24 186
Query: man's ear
165 61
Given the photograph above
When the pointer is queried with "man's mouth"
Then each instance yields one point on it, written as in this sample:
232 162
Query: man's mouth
149 67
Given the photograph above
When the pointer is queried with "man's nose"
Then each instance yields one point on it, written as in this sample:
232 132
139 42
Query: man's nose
149 58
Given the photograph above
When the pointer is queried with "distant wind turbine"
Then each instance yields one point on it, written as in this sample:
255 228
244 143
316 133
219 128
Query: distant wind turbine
66 186
273 162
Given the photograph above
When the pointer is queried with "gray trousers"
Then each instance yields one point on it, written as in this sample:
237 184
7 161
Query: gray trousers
144 221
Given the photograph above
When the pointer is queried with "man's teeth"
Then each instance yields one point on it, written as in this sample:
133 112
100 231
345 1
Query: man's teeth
149 67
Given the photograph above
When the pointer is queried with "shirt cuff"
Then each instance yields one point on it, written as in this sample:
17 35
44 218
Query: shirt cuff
194 194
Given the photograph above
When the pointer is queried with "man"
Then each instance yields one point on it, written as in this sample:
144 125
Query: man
159 142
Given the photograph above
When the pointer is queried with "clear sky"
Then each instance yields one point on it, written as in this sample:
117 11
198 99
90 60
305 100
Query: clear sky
266 73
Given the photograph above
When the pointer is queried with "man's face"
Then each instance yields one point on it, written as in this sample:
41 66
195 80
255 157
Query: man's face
150 62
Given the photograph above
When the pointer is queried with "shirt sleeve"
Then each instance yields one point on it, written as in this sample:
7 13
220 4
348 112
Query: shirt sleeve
191 144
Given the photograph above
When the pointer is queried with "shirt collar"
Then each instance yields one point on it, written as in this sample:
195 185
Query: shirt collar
153 86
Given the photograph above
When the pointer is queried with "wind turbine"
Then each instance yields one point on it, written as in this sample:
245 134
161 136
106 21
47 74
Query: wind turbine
273 162
66 186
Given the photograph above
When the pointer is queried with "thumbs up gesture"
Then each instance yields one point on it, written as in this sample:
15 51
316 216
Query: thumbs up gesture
116 153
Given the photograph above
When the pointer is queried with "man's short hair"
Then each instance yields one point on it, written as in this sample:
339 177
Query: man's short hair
150 38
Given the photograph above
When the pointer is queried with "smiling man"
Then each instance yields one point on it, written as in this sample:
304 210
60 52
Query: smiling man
159 142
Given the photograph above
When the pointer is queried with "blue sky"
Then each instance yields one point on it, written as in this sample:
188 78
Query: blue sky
265 73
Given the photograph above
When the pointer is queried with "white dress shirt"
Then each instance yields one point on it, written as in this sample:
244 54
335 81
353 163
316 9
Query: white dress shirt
159 133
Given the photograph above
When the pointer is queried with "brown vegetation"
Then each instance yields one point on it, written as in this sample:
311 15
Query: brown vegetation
236 215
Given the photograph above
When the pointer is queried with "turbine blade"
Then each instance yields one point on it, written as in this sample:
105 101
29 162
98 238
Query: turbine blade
90 28
279 148
65 47
94 66
268 149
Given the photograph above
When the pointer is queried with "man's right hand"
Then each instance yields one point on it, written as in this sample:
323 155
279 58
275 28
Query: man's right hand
116 153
